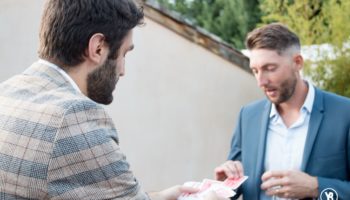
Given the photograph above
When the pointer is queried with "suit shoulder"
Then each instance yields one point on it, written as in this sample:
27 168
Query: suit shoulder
253 106
335 99
78 103
83 106
254 109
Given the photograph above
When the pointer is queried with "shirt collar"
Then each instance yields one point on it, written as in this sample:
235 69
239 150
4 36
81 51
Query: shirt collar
62 72
309 101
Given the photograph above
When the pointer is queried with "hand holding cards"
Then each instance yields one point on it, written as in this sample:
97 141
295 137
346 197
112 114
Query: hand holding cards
224 189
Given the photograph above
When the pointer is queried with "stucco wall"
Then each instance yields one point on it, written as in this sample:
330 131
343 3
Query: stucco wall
174 110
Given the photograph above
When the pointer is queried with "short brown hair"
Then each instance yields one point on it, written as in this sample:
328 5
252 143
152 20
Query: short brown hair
68 25
273 36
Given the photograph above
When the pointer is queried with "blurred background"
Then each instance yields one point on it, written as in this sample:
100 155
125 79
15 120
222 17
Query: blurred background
322 25
186 79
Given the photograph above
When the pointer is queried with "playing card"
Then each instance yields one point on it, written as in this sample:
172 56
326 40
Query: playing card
222 191
207 183
193 184
235 183
221 188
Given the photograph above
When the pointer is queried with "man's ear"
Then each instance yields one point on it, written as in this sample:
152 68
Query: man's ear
97 49
299 61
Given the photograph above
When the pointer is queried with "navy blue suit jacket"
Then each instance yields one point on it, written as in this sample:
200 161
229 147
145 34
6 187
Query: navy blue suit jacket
327 147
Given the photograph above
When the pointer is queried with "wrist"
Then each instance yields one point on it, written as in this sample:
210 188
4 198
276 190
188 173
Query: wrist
314 187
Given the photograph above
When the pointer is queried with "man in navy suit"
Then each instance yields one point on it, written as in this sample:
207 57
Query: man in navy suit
296 143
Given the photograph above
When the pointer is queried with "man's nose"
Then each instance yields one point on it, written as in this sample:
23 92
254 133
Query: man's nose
122 71
261 79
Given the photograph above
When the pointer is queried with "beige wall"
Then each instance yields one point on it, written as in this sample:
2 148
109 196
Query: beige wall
174 110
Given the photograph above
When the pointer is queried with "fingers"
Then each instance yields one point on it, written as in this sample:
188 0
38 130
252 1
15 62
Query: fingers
172 193
213 196
220 173
283 192
239 169
230 169
271 185
273 174
186 189
276 183
289 184
277 191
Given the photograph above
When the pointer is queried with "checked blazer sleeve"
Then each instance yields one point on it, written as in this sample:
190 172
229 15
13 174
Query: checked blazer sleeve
86 162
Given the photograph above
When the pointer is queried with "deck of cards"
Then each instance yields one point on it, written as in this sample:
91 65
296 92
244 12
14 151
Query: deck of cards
224 189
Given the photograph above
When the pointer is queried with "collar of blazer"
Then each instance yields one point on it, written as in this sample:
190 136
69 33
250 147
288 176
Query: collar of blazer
50 75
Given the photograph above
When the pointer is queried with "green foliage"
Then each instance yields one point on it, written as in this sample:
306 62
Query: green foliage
318 22
333 74
307 18
228 19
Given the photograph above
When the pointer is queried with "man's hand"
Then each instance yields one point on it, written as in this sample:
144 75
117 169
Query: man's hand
230 169
172 193
213 196
289 184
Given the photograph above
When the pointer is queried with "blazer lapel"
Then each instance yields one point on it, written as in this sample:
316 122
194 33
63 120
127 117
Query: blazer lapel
262 144
314 124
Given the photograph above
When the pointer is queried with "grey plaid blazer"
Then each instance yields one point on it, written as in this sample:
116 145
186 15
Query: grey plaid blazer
55 143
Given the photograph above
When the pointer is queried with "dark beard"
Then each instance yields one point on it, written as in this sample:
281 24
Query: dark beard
287 90
102 81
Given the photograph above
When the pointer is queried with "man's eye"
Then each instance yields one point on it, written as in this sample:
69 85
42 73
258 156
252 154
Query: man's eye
271 68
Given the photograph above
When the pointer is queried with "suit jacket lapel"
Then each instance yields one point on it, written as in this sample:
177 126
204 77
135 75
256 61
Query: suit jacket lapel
262 143
314 124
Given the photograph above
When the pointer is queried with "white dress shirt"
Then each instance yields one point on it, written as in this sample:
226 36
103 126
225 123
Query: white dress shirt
62 72
285 146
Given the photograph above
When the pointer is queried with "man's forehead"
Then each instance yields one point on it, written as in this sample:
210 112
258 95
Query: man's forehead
261 56
262 52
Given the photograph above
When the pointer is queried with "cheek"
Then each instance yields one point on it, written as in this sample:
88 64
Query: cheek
284 76
273 78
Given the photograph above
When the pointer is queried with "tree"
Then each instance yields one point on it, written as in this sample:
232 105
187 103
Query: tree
318 22
230 20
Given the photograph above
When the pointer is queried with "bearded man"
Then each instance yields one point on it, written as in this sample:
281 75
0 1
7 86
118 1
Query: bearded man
295 144
56 139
